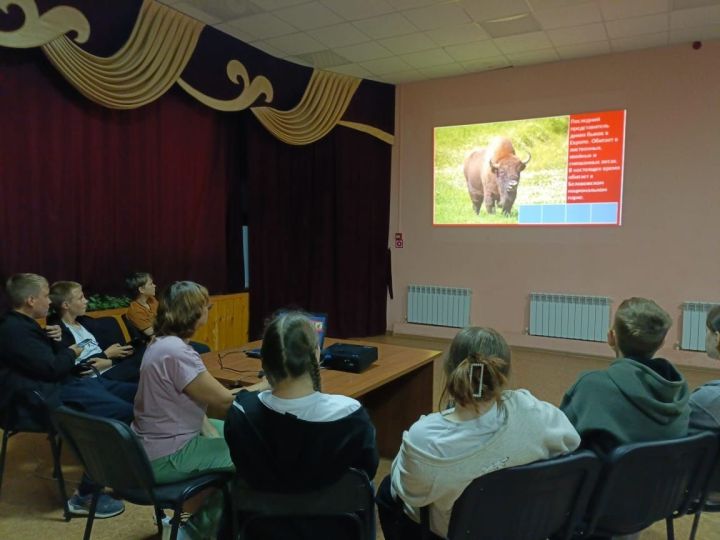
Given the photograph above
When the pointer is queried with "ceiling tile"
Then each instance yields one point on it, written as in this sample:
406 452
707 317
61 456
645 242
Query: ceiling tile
524 42
402 77
521 24
272 51
622 9
324 59
409 4
392 24
578 34
474 51
386 65
262 26
640 42
687 18
225 9
338 35
407 44
435 57
486 10
354 70
269 5
637 26
437 16
448 70
486 64
685 4
361 52
237 33
352 10
581 50
308 16
533 57
196 13
696 33
552 4
295 43
455 35
573 15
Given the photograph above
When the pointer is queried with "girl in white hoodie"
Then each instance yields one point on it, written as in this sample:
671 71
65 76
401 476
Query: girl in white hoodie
485 428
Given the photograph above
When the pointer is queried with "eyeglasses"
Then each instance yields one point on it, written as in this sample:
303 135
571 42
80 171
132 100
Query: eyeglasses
220 357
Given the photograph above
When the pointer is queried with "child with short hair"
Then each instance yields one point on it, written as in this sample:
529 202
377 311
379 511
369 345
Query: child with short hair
639 397
143 307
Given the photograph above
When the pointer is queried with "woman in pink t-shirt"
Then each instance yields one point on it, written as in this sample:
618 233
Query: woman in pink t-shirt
175 394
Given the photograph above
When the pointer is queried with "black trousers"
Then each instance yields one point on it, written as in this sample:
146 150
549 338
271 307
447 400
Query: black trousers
396 525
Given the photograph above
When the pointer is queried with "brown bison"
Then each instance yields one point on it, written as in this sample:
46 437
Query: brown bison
493 175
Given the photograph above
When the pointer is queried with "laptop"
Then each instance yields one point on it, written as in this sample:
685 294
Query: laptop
319 321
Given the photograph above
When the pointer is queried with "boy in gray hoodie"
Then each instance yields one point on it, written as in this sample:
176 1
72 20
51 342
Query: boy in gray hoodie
638 398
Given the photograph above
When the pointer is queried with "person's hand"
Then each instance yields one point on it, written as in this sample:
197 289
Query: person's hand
118 351
54 332
77 349
101 364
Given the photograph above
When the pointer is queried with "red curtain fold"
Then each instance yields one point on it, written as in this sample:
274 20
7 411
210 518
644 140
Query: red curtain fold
90 194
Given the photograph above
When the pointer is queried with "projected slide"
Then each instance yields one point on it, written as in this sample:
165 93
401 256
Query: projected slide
559 170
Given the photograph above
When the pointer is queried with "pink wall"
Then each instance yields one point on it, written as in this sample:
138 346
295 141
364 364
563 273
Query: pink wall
667 247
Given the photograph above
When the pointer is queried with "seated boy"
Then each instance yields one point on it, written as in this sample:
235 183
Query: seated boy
30 361
638 397
143 308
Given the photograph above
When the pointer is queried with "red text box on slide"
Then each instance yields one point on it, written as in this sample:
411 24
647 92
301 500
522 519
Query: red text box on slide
595 157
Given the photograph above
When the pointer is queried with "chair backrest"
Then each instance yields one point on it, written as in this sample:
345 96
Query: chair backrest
108 449
107 330
529 502
351 497
645 482
133 331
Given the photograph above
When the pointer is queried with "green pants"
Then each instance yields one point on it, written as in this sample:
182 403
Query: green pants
199 455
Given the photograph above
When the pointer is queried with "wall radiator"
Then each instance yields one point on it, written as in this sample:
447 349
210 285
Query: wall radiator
439 306
693 325
569 316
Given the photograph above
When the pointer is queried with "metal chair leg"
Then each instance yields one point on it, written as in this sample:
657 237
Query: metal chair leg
91 515
56 449
3 452
670 528
696 523
175 521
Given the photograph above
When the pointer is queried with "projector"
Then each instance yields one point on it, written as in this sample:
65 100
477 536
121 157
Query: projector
347 357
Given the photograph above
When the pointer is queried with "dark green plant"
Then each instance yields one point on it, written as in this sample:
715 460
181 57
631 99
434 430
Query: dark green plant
105 301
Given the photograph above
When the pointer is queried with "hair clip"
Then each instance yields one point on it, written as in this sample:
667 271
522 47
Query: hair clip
472 374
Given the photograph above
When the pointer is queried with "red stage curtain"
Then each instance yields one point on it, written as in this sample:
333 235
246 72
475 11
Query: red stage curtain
90 194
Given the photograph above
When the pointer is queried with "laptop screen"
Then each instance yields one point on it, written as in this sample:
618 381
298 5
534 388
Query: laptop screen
319 321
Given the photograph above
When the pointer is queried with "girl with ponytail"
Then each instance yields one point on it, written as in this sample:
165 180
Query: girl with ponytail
483 426
294 437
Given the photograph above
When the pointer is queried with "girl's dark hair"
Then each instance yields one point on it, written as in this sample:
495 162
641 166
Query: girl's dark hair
475 345
181 306
289 348
713 319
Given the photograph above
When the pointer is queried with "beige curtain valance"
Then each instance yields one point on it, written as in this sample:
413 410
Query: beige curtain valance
154 57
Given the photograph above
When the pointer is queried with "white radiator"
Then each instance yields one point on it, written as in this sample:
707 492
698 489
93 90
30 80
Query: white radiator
569 316
693 325
439 306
